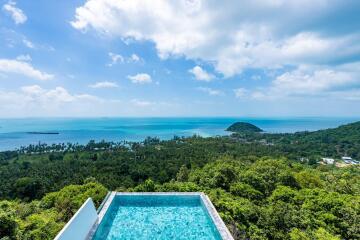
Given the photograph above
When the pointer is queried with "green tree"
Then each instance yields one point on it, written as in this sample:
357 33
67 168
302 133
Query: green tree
7 226
28 188
322 234
183 174
297 234
246 191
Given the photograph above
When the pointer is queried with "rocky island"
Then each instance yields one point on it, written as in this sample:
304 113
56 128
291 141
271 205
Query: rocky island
240 127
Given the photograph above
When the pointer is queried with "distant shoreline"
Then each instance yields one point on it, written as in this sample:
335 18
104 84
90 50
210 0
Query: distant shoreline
23 132
49 133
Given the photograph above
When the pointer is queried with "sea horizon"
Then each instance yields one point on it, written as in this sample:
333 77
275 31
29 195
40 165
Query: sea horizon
19 132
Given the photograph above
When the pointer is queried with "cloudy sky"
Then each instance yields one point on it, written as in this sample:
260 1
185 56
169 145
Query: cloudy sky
260 58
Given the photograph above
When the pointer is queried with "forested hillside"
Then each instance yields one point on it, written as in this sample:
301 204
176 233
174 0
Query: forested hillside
256 181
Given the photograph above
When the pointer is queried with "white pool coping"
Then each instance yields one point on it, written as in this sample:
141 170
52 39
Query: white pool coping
215 217
79 225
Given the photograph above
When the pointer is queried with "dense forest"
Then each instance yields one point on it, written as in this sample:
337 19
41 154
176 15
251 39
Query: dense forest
259 182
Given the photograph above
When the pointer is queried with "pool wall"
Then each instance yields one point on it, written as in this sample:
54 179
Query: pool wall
80 224
205 201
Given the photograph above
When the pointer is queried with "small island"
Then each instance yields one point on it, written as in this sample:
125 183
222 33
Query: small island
49 133
240 127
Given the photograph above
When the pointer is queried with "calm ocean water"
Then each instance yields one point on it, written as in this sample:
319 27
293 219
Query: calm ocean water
14 132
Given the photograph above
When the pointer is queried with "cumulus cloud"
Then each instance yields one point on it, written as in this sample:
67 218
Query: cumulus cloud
201 75
56 95
115 58
141 103
118 58
25 58
134 58
240 92
104 84
210 91
16 13
35 100
23 68
233 36
340 81
308 81
140 78
28 43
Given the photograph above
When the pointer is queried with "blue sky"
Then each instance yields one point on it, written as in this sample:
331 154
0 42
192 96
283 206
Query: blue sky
179 58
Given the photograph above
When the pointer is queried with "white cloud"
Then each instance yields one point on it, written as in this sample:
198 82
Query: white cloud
37 101
28 43
23 68
115 58
240 92
152 105
341 81
210 91
24 58
32 90
16 13
201 75
56 95
309 81
233 36
104 84
141 103
140 78
134 58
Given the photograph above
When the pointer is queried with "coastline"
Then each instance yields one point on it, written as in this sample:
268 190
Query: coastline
14 133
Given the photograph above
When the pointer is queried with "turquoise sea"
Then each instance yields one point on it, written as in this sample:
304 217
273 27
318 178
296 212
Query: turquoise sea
15 132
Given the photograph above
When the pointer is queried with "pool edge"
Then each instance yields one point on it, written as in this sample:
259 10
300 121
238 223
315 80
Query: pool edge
101 214
215 217
219 223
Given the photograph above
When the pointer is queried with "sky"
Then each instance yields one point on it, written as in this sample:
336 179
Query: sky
252 58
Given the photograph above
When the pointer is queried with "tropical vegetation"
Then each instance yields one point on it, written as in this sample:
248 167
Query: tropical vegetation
260 183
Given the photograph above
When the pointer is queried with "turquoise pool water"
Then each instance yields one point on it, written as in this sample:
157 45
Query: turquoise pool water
156 217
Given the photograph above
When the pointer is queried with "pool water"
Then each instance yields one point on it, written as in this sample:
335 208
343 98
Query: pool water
162 217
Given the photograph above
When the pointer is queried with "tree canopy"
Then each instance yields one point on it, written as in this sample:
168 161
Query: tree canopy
259 182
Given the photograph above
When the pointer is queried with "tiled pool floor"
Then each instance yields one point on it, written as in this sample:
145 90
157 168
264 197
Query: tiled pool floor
157 217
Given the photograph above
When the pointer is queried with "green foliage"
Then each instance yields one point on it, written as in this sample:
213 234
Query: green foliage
297 234
256 182
173 186
42 220
147 186
309 179
183 174
220 174
322 234
7 226
28 188
276 199
42 225
246 191
69 199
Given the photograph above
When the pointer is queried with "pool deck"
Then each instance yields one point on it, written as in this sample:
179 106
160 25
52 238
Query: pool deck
220 225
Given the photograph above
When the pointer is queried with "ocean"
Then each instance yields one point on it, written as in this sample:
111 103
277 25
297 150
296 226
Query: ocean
15 133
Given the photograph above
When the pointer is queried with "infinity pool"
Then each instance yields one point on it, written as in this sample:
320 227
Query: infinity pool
162 217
